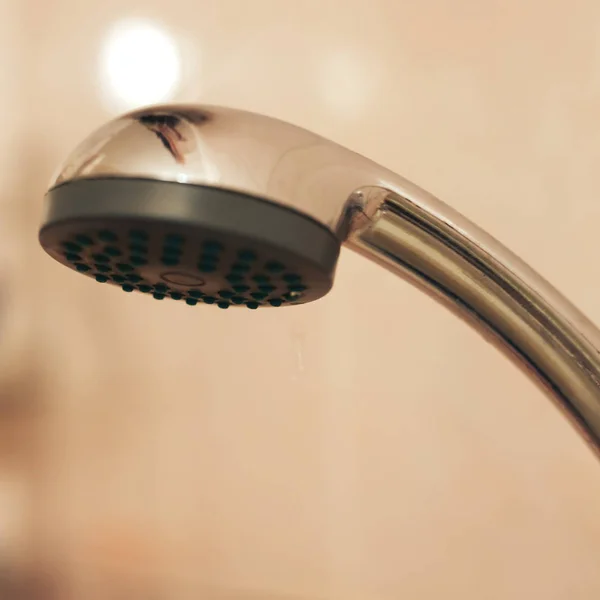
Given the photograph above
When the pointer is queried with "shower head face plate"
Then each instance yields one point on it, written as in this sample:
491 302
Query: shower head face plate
189 243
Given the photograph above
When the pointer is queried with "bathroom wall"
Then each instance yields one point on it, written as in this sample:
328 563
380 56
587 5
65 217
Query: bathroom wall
365 446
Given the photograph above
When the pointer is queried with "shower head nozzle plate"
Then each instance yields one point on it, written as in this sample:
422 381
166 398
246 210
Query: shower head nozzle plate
190 243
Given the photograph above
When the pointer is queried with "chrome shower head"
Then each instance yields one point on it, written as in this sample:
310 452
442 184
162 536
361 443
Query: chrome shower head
218 206
149 205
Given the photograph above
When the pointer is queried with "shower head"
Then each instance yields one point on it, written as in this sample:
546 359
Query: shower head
179 203
210 205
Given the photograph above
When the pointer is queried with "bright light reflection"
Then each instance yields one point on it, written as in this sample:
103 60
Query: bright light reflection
141 65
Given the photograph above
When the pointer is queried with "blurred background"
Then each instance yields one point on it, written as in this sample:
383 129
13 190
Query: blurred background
365 446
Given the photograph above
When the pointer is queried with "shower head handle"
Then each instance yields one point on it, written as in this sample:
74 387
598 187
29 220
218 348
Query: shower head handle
282 191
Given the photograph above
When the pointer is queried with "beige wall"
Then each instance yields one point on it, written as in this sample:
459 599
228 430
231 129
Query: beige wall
366 446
